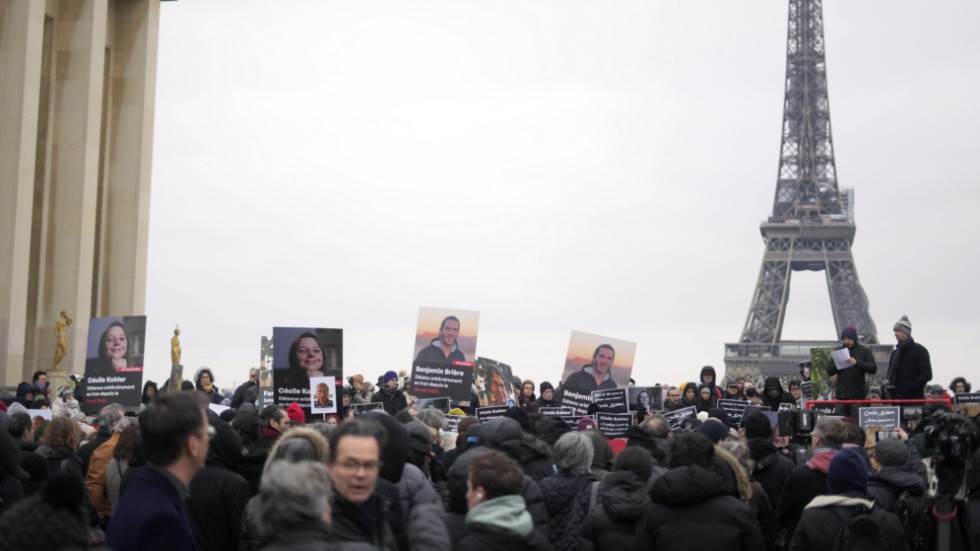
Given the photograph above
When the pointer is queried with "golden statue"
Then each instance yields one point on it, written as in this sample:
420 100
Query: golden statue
175 347
61 334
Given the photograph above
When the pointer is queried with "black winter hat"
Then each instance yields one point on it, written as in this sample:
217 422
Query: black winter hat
757 426
721 415
848 472
714 429
418 437
891 452
545 385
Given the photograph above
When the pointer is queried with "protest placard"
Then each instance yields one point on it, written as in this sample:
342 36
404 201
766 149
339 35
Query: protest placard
650 398
750 409
612 400
442 380
676 417
114 363
613 425
888 417
734 408
558 411
490 412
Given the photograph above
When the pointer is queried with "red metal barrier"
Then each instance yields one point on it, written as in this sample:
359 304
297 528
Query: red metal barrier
811 403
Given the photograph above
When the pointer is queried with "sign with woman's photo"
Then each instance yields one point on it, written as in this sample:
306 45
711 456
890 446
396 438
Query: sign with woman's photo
301 354
114 363
323 395
650 398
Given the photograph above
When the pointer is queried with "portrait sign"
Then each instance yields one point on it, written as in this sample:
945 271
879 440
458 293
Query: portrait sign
651 398
114 363
323 395
300 354
492 382
676 417
445 336
594 362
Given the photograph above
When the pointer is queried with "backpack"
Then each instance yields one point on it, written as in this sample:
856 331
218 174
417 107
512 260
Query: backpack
860 531
913 512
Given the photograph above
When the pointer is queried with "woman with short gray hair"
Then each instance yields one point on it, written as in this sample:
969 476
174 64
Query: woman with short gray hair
294 505
568 494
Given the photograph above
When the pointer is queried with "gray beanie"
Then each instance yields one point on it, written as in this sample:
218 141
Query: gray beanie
891 452
903 325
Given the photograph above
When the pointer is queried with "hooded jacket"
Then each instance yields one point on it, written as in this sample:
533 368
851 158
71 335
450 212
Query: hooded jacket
824 516
691 510
457 508
773 402
885 485
708 370
622 501
505 434
501 523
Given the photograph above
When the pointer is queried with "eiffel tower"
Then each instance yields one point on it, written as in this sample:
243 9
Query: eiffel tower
812 222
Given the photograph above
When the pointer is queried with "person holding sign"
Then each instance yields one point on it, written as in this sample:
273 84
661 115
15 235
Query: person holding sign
852 379
443 349
595 375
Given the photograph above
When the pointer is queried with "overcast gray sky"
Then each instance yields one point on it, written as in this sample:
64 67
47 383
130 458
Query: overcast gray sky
556 165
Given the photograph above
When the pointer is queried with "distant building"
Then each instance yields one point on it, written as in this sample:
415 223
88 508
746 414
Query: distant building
77 89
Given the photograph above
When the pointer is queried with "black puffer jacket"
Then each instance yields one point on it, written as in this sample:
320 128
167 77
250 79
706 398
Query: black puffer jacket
505 435
567 497
690 511
620 505
885 485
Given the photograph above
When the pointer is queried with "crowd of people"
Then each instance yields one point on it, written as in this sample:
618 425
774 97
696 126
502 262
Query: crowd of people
179 476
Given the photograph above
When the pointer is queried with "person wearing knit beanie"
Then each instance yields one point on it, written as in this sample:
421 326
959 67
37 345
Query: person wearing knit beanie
909 367
714 429
852 379
848 472
757 426
389 376
891 452
295 414
585 423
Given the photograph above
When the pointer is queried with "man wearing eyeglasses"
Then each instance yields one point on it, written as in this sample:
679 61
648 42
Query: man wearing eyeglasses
353 461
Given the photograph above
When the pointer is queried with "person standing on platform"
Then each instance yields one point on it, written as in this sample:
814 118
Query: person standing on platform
909 368
852 381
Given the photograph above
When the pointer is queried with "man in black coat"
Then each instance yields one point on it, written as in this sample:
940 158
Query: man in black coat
847 480
808 481
692 510
390 396
247 391
852 380
909 368
218 494
770 471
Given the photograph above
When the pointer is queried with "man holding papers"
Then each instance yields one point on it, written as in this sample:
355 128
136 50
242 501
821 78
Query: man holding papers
852 363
